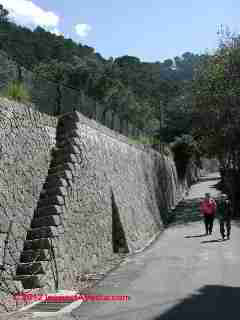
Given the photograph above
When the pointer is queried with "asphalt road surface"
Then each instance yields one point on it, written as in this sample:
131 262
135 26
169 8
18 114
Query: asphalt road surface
183 275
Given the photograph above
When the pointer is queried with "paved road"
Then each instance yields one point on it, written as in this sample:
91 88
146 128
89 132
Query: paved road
184 275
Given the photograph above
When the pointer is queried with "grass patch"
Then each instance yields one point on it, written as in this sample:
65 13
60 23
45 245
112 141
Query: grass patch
151 141
17 92
146 140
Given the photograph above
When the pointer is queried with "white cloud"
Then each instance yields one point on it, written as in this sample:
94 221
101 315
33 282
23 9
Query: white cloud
83 29
56 31
29 14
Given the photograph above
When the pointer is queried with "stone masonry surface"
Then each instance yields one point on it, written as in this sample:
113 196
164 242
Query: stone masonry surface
82 188
111 178
26 138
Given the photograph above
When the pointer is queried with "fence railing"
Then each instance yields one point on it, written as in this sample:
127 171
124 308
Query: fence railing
56 98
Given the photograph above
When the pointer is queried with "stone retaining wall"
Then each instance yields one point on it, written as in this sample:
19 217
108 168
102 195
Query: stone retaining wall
26 138
89 194
119 197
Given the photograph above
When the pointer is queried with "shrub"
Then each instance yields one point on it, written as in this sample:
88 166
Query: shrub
146 140
184 149
16 91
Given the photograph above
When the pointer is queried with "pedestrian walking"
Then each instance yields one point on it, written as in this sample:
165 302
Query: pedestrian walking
224 215
208 209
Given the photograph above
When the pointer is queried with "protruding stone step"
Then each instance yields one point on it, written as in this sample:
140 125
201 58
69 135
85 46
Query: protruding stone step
65 174
62 167
70 116
69 123
42 232
30 268
67 126
65 157
64 154
34 255
47 211
72 149
63 178
42 243
29 281
56 190
71 134
48 201
46 221
60 153
55 183
69 141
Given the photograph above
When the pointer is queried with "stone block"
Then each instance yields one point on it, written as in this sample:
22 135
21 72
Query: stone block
42 232
29 282
29 268
61 167
54 191
34 255
50 220
35 244
48 201
48 211
72 140
55 182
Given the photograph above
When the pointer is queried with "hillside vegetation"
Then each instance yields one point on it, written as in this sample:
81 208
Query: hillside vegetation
191 101
153 96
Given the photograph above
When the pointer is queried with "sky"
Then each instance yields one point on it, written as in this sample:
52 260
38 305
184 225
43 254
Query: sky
152 30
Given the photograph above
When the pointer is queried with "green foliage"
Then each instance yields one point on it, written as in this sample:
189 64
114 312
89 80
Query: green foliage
3 14
184 149
161 86
216 92
168 63
147 140
54 70
143 93
16 91
32 47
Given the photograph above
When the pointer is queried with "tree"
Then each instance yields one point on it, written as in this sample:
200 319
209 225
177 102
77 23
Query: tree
185 148
168 63
54 71
165 92
3 14
178 117
57 72
217 97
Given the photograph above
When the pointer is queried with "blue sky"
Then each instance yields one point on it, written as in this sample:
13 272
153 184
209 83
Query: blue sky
152 30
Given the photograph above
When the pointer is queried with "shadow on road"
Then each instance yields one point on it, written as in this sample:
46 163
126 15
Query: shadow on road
236 222
210 302
197 236
209 179
212 241
187 211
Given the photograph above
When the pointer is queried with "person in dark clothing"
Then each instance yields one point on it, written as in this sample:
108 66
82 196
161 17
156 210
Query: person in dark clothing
224 214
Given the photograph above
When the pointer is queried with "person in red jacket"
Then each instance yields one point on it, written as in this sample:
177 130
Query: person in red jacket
208 209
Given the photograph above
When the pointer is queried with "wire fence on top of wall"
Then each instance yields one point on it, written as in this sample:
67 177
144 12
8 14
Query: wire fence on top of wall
56 98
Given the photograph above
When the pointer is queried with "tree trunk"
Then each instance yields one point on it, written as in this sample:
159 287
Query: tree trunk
104 116
121 125
112 122
58 101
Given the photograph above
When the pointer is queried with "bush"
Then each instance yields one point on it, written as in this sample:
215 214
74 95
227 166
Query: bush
16 91
184 149
146 140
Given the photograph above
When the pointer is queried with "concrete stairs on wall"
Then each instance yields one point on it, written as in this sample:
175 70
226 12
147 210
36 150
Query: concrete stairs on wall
47 219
